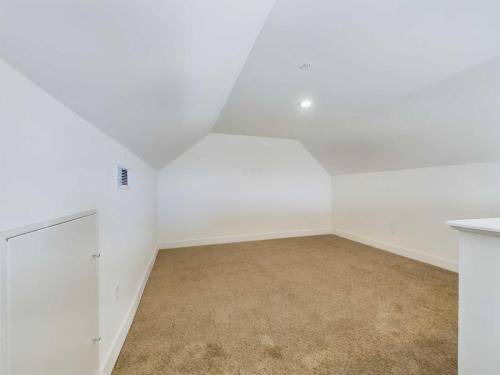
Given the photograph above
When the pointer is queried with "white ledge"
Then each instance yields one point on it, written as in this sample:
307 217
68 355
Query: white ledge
485 226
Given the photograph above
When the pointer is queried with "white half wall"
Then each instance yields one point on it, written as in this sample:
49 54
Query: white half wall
404 211
52 164
230 188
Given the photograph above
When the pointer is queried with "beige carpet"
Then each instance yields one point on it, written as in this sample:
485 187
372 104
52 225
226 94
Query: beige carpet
311 305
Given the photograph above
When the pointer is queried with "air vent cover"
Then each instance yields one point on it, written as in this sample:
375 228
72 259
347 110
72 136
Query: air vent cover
122 175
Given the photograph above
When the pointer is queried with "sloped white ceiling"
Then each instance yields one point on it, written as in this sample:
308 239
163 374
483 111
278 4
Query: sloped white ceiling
395 84
153 74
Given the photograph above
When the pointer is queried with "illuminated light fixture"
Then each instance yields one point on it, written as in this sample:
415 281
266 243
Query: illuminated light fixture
306 103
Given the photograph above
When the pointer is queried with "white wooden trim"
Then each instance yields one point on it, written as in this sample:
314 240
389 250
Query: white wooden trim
109 362
482 226
242 238
448 264
98 265
3 298
45 224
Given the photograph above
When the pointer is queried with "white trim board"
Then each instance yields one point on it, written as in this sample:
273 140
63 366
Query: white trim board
3 320
242 238
45 224
109 362
483 226
408 253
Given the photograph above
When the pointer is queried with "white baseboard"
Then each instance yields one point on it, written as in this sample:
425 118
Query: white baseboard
408 253
116 346
242 238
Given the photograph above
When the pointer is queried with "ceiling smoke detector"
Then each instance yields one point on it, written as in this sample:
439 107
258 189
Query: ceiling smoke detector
305 67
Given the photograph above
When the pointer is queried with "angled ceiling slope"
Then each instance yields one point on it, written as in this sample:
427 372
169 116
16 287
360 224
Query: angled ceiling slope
394 84
152 74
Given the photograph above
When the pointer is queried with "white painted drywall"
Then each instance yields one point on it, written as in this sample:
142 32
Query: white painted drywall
230 188
154 75
387 81
405 211
53 164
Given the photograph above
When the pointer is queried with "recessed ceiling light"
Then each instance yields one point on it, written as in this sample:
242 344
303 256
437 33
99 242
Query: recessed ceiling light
306 103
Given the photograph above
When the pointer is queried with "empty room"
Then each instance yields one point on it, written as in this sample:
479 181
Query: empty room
236 187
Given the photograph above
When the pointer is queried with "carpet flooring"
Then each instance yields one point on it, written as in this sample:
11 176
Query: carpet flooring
310 305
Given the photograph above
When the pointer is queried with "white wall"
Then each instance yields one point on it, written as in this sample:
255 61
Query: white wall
230 188
404 211
53 163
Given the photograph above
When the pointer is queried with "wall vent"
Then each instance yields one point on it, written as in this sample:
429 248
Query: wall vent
122 177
